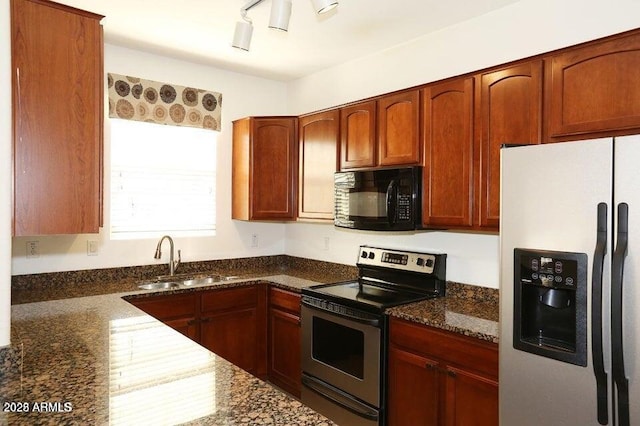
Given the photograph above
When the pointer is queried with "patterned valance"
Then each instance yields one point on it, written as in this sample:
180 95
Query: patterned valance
133 98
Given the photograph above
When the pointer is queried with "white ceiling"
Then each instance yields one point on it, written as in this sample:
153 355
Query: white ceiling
201 30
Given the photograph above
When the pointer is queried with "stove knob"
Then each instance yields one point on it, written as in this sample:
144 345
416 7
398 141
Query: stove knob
372 255
364 254
420 261
429 263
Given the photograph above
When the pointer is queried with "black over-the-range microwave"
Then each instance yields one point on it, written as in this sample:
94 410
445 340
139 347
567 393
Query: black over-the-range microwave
379 200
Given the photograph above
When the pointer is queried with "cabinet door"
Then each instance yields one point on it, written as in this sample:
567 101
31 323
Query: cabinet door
273 168
234 336
448 144
399 129
413 389
318 134
57 111
284 351
187 326
358 135
594 89
509 105
471 400
233 325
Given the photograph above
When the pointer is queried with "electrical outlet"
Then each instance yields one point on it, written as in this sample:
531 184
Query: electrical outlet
33 249
92 248
327 242
254 240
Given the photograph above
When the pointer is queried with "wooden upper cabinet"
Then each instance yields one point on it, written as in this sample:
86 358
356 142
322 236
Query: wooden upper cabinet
509 108
318 135
399 129
448 156
264 168
594 89
358 135
57 118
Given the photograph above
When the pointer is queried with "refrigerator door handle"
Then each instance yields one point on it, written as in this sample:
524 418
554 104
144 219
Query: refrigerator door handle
617 346
596 315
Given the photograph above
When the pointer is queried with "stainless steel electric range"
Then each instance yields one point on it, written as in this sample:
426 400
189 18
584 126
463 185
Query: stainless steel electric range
344 331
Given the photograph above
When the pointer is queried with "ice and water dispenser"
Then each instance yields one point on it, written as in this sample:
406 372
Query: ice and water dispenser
550 304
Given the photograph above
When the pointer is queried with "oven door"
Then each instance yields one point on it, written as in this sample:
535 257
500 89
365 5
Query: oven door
342 351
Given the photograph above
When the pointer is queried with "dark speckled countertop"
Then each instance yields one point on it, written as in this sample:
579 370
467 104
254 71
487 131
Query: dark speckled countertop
96 359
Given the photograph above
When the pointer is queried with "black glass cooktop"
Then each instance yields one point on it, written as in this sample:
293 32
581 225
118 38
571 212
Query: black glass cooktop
366 295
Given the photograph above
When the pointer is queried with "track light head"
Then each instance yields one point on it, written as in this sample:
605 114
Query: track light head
323 6
280 14
242 35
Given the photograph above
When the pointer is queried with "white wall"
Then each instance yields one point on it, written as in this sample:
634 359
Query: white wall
523 29
242 95
5 173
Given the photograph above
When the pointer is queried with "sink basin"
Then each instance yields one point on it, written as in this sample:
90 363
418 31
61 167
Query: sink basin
163 285
202 281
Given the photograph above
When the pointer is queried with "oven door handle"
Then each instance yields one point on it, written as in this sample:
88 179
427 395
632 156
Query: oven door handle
339 397
366 321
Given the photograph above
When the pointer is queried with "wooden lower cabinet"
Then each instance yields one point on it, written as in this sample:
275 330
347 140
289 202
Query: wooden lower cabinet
232 325
255 327
178 311
440 378
284 366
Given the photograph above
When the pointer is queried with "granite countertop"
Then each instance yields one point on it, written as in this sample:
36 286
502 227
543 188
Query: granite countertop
100 360
469 317
90 351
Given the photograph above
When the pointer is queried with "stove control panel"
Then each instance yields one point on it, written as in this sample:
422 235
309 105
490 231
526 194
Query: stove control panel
397 259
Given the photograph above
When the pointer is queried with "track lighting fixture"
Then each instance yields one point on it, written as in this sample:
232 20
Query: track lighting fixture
279 19
323 6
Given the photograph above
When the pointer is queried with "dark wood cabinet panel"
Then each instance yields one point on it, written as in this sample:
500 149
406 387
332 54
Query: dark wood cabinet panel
187 326
448 144
284 355
233 325
233 335
165 307
178 311
264 168
440 378
509 108
318 161
470 399
284 367
412 376
399 129
594 89
358 135
57 118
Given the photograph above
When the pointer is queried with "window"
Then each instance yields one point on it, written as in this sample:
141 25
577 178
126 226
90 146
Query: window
163 180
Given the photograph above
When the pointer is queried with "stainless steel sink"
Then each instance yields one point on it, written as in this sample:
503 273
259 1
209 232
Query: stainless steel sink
163 285
212 279
202 281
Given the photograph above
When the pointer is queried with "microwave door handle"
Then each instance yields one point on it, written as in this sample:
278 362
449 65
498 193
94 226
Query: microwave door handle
391 196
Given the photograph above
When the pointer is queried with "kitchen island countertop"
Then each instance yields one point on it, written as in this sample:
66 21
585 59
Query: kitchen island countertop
113 364
99 360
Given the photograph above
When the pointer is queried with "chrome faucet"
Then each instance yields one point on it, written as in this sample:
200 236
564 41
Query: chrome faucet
172 265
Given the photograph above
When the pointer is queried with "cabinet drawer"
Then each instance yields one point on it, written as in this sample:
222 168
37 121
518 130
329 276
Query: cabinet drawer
285 300
232 298
473 354
167 307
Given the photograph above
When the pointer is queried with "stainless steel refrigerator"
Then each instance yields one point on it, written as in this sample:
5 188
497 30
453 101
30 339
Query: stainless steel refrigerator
569 290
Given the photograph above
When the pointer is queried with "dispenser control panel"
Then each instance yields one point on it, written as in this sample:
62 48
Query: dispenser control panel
548 269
